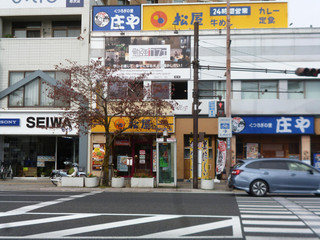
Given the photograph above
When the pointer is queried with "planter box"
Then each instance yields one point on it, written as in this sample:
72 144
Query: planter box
117 182
207 184
72 182
142 182
91 182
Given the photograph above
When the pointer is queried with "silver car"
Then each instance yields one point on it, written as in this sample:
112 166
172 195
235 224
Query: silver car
274 175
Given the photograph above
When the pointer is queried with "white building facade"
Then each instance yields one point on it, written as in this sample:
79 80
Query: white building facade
34 37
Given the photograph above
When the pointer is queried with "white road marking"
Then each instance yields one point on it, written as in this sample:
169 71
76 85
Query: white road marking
282 223
103 226
45 220
268 216
266 212
278 230
182 232
29 208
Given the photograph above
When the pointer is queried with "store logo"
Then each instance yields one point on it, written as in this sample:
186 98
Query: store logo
102 19
158 19
238 124
12 122
49 122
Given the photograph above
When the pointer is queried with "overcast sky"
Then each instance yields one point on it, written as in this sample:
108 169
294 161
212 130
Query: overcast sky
303 13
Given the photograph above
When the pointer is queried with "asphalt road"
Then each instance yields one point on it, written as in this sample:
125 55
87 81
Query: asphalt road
156 215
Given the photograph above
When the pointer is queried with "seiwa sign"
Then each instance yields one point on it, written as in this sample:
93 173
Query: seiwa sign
38 123
10 4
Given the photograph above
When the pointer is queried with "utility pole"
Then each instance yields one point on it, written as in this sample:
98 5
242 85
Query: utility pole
195 105
228 88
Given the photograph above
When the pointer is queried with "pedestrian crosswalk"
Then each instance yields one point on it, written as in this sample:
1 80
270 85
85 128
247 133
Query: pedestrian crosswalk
279 217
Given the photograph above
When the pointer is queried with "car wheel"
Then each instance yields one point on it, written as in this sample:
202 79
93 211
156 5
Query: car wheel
259 188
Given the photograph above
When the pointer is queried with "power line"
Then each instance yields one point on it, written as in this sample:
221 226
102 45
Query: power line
263 70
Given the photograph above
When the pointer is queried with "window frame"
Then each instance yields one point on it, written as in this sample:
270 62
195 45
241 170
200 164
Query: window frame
259 91
39 92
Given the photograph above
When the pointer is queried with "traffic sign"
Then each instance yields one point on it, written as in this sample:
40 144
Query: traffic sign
224 127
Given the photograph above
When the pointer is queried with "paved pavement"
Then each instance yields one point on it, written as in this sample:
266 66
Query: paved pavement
44 184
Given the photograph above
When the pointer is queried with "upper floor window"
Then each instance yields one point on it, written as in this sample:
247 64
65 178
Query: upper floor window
122 90
35 93
66 28
212 89
170 90
259 89
151 1
123 2
303 89
26 29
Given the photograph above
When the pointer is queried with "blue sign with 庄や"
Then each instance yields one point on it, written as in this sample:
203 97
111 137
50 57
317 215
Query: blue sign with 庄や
116 18
273 125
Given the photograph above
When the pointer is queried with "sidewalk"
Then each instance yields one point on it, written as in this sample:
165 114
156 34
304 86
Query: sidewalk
44 184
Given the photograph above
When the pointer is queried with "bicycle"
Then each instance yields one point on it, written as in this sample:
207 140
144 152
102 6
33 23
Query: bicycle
6 171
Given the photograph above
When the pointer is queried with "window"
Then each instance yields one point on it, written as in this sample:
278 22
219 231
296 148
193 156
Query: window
277 165
123 2
121 90
26 29
298 167
295 90
211 89
259 90
303 89
170 90
33 94
66 28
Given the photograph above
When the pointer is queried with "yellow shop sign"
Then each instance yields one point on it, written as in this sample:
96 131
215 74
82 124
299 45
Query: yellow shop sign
143 125
213 16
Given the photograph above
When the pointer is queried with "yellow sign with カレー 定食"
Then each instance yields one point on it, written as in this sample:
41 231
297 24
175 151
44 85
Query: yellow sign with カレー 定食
213 16
143 125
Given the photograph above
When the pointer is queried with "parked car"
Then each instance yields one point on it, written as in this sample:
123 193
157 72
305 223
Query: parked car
274 175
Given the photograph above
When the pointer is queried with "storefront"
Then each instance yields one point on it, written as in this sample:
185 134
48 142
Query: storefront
36 142
134 152
274 136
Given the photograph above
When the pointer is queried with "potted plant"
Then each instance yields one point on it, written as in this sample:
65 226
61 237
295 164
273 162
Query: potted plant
146 181
207 183
117 181
91 181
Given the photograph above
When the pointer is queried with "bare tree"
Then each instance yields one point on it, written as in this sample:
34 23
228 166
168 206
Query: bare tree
94 95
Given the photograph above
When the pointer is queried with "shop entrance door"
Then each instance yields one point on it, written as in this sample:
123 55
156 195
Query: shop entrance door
142 165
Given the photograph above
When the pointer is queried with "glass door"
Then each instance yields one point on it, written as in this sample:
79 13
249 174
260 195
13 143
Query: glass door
166 163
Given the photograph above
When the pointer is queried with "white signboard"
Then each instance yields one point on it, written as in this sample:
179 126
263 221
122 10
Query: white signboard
162 73
212 108
6 4
224 127
35 123
149 52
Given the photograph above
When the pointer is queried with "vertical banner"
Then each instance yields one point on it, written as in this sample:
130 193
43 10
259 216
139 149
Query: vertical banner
221 156
203 160
98 155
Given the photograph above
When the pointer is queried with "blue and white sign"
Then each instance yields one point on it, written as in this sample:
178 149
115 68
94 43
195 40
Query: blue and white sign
224 127
9 122
235 11
116 18
212 108
273 125
74 3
